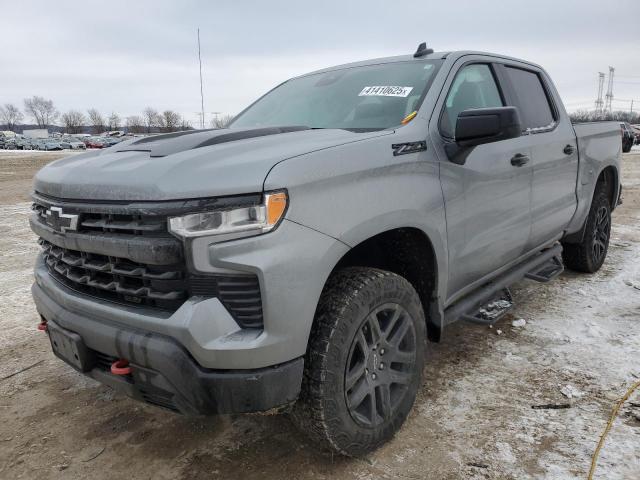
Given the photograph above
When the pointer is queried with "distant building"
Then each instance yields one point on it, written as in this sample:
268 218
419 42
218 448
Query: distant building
36 133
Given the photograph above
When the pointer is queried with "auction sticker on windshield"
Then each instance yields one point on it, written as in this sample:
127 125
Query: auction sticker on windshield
385 91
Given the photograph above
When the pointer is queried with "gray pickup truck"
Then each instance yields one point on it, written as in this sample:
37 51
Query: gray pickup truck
300 259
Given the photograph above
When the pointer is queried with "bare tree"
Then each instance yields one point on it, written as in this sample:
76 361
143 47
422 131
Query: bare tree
42 111
96 120
592 116
135 124
170 121
221 121
185 124
114 121
151 118
10 115
73 121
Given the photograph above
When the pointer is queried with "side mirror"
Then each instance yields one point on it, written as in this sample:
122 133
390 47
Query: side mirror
486 125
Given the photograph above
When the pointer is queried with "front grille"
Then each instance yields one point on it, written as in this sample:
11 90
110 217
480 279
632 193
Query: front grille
126 255
115 223
161 286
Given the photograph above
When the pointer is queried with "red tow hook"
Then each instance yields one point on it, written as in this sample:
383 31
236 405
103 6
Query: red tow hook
121 367
42 326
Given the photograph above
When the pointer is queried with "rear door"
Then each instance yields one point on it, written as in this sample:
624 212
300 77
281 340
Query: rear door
554 152
487 198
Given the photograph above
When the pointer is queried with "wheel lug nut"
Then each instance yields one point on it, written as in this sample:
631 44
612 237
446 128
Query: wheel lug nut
382 351
381 366
373 375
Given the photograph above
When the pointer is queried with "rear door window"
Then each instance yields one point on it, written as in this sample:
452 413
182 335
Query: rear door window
531 99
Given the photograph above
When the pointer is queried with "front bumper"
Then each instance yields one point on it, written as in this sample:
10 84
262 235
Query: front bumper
291 263
164 374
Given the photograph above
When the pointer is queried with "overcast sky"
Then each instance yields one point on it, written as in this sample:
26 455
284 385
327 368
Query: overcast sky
122 56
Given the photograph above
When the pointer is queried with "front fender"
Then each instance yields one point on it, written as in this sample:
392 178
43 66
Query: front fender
357 191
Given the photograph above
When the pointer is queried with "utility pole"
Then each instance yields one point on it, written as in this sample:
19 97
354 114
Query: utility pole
599 101
214 122
609 95
201 92
631 111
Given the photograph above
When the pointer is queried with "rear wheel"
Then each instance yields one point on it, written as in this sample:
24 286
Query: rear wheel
588 256
364 363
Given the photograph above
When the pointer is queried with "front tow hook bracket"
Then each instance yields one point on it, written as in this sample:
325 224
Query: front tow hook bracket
121 367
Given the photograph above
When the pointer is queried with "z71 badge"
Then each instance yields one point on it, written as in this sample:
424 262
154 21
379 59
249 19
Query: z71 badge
409 147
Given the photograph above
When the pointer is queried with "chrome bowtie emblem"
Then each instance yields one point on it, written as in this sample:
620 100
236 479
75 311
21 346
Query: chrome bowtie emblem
61 222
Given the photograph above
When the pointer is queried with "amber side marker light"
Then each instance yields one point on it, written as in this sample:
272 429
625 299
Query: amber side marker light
276 204
409 117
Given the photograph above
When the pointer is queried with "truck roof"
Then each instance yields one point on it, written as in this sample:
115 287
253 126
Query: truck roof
407 58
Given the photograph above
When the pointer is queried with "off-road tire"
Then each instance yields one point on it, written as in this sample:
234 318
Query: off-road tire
581 257
350 299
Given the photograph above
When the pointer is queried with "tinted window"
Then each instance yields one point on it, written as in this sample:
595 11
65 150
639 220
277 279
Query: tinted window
367 97
531 98
473 87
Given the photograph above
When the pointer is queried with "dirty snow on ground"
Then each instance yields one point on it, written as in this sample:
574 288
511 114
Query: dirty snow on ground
580 344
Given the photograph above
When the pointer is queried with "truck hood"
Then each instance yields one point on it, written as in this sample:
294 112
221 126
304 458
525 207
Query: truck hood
186 164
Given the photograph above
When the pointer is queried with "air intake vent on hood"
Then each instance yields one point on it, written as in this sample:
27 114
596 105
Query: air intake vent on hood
167 136
244 134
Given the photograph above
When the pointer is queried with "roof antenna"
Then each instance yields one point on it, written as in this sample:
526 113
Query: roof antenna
422 50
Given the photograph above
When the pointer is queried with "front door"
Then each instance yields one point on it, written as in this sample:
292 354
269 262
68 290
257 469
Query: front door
488 198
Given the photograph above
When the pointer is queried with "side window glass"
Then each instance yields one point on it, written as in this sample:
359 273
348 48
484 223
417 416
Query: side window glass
473 87
531 99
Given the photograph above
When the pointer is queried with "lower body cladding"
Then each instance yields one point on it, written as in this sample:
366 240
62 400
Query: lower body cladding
197 360
161 372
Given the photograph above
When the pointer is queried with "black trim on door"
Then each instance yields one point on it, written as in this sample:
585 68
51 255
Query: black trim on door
500 69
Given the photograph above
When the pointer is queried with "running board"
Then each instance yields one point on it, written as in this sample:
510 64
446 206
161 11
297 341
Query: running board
548 271
491 312
538 266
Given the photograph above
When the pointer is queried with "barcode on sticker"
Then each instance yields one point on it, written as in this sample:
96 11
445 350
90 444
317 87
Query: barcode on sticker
385 91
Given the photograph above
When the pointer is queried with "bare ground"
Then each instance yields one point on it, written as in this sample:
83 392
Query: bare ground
473 417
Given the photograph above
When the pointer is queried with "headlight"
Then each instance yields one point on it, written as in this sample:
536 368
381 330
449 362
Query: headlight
235 222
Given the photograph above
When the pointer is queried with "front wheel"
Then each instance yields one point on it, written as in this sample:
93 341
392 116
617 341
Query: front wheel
364 363
588 256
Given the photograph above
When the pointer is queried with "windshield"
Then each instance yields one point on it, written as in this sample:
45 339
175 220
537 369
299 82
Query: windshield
372 97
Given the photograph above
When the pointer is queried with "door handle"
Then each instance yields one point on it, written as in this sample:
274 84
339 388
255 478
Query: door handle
568 150
519 160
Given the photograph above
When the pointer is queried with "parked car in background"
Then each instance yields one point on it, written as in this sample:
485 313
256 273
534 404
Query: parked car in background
93 142
110 141
17 143
48 144
636 132
70 143
628 137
